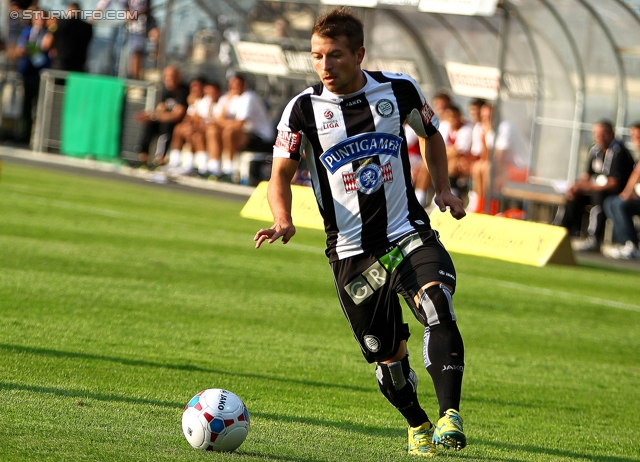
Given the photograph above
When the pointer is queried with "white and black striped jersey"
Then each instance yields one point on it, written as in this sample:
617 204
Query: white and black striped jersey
357 156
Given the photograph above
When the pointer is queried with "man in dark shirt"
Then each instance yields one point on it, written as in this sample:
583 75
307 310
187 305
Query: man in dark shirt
170 111
71 39
608 169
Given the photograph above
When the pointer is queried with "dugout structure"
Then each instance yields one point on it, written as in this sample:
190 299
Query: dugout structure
552 68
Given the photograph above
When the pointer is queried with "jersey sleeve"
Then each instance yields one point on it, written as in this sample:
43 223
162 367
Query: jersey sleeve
290 140
420 116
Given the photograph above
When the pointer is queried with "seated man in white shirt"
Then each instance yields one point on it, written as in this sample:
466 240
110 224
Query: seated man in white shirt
241 123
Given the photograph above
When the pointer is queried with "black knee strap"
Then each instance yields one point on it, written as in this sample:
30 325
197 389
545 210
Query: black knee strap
398 382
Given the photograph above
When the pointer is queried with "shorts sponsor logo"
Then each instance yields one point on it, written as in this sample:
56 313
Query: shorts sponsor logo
384 107
288 141
449 275
359 290
372 343
360 147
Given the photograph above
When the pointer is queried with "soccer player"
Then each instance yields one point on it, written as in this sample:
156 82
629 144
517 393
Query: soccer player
379 241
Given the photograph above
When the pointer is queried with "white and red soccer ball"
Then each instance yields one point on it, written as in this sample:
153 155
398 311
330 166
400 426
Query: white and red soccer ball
215 420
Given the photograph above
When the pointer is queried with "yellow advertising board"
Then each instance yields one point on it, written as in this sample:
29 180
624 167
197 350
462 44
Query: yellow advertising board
484 235
504 238
304 208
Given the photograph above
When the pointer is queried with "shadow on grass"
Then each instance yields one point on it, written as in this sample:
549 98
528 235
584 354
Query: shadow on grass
113 398
264 456
180 367
551 451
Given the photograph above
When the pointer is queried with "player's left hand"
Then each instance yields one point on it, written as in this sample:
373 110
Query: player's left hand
448 199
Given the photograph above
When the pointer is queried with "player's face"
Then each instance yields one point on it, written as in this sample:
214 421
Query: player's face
337 66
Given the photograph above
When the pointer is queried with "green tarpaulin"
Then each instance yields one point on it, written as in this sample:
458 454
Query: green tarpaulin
92 116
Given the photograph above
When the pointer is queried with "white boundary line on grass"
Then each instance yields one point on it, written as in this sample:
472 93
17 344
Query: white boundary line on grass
557 293
311 249
520 287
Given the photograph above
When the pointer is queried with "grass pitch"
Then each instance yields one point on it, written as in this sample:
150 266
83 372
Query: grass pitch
118 302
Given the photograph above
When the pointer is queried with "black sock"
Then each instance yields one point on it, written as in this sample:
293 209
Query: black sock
445 363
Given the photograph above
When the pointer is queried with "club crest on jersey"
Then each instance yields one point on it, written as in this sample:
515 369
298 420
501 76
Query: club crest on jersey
360 147
368 178
384 107
372 343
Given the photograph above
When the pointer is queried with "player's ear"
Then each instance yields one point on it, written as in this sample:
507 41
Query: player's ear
360 55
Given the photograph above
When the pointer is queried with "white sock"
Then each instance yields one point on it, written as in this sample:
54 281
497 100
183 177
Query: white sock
187 161
227 167
421 194
472 206
174 158
214 166
201 162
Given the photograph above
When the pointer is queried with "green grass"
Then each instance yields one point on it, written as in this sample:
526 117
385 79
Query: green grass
118 302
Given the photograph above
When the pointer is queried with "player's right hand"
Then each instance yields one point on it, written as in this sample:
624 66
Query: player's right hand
274 233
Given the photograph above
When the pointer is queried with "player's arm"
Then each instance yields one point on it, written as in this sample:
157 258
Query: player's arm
435 155
279 196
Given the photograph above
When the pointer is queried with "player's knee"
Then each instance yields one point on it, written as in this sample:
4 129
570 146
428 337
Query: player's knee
398 382
435 305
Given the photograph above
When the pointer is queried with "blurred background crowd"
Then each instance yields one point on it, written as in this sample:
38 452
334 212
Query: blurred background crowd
539 101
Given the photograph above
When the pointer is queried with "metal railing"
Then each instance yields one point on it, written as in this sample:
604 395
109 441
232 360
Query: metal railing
139 95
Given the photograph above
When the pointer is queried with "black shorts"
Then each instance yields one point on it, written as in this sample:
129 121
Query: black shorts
368 287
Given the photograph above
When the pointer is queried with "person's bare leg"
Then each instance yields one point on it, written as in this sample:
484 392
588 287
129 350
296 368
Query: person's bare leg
213 140
135 65
232 142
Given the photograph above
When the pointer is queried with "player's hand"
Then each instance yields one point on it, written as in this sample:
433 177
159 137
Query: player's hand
286 231
448 199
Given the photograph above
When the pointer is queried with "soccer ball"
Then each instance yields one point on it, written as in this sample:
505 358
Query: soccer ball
215 420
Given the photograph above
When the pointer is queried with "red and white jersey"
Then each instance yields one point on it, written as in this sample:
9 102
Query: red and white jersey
460 138
356 151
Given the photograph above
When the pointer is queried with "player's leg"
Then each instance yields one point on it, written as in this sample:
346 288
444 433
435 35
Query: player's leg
199 146
375 316
177 142
213 139
427 280
232 141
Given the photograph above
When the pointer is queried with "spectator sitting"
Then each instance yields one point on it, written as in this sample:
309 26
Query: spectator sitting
457 139
33 51
163 119
474 110
71 39
510 152
608 169
191 131
240 123
621 209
